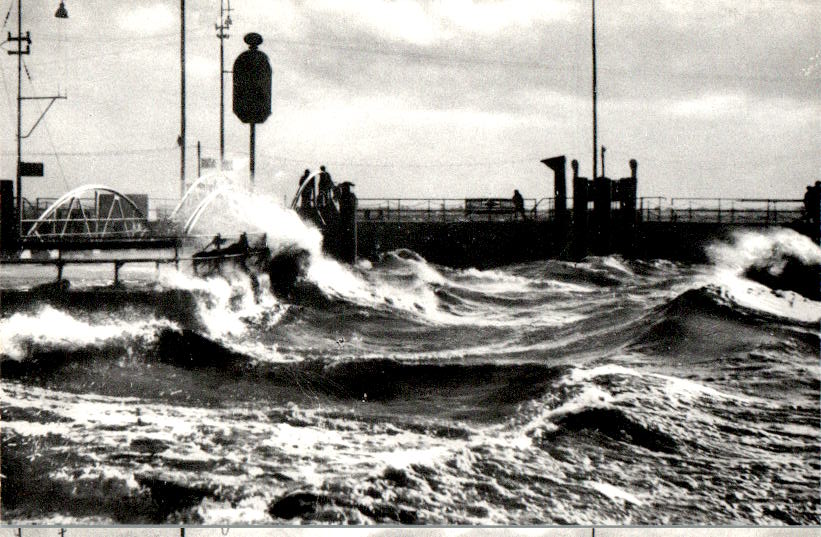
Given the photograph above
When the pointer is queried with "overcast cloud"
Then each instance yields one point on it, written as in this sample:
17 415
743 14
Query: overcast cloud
433 98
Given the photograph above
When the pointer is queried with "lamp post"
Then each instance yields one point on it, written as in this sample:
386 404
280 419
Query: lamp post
61 13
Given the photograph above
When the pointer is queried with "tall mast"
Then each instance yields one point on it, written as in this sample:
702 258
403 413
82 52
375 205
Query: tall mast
182 98
224 24
20 53
222 37
595 133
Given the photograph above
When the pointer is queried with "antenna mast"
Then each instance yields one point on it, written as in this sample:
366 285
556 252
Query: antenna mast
595 140
224 24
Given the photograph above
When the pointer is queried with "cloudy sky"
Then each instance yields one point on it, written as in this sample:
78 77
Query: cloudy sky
425 98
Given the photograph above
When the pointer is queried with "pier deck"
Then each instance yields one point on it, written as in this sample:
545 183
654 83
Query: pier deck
442 231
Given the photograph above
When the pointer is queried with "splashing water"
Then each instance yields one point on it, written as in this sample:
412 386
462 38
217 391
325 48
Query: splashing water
235 211
769 253
772 247
543 393
49 328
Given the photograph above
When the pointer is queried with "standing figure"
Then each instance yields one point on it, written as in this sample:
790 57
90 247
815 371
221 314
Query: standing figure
324 197
307 196
326 186
518 206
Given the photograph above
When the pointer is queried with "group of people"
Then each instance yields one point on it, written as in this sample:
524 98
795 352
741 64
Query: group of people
320 198
812 203
324 191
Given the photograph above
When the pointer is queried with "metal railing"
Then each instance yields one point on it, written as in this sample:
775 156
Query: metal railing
441 210
753 211
765 211
758 211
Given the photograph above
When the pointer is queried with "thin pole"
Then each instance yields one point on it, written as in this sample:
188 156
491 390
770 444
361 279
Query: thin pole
251 164
182 98
199 158
595 139
221 36
19 114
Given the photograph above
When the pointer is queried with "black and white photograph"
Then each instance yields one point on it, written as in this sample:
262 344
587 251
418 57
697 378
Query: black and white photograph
441 268
227 531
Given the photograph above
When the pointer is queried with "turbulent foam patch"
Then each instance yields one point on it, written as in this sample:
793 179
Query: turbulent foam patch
740 296
751 248
425 293
51 329
227 304
781 260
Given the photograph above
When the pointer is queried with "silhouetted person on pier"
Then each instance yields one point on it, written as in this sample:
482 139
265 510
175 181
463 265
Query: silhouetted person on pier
218 241
326 184
518 205
345 198
324 200
307 196
242 243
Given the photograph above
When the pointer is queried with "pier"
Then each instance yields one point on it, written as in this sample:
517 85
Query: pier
602 217
677 229
458 232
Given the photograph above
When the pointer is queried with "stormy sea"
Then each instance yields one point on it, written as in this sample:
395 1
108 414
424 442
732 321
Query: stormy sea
397 391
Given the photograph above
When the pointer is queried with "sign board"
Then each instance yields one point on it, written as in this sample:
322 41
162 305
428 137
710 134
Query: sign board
252 83
31 169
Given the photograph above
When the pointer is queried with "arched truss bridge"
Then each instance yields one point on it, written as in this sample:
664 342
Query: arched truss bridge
90 212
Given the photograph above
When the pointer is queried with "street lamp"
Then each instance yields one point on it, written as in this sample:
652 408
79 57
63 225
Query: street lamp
23 168
61 11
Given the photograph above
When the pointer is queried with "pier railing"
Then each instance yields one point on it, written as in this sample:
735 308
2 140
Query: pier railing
769 211
444 210
762 211
65 225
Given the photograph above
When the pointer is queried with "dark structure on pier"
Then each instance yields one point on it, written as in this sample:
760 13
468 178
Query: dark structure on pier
610 225
605 218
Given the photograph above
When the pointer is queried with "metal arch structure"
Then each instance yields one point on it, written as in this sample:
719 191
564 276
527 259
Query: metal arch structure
202 183
192 220
69 218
